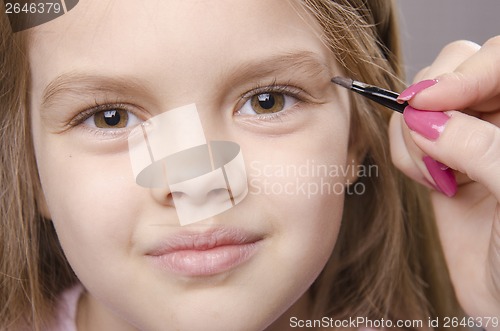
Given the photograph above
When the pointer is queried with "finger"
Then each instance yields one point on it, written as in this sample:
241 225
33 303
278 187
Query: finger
404 152
450 57
475 83
406 156
464 143
415 164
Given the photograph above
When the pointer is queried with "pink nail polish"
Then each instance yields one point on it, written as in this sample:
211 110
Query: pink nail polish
429 124
412 90
442 175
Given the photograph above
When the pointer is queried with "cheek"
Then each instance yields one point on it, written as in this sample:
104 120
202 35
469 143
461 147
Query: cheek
298 181
93 200
306 171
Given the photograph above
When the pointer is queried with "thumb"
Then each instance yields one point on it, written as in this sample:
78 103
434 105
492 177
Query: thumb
473 84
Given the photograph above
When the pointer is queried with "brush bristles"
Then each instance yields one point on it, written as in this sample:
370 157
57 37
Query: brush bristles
342 81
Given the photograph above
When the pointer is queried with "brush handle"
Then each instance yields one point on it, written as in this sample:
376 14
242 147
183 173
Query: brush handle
379 95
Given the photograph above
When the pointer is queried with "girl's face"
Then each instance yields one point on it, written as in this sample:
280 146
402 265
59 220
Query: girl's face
234 59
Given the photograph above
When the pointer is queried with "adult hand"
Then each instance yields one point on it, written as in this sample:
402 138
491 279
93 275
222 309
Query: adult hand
459 129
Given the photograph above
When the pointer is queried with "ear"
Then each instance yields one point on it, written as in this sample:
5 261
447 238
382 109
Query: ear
355 156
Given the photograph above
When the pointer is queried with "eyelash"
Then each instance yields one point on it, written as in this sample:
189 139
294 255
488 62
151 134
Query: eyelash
286 89
82 116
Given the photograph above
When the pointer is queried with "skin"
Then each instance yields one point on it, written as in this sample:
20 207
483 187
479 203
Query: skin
469 223
170 54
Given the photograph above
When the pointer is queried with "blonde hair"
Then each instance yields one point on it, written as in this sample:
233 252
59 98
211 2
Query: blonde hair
387 262
33 269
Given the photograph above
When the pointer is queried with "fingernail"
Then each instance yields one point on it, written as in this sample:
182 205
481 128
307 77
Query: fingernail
442 175
412 90
429 124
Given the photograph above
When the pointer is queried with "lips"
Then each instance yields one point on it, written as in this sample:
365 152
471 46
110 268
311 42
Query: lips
204 253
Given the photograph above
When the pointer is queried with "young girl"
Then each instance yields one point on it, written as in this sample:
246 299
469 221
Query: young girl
85 248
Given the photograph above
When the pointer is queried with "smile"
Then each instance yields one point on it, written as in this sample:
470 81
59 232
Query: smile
209 253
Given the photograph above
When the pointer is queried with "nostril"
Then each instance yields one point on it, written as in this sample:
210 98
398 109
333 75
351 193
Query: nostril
176 195
219 195
216 195
169 199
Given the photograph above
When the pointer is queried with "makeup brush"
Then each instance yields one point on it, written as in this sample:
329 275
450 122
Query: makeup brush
379 95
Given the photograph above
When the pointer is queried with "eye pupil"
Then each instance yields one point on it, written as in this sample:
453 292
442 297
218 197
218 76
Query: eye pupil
111 117
266 103
116 118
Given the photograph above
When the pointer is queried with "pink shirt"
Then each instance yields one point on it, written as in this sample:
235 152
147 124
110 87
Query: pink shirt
66 309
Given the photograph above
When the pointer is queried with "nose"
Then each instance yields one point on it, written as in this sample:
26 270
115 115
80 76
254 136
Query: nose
170 156
193 191
202 181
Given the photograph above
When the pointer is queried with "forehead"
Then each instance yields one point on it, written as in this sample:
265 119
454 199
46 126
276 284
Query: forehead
184 36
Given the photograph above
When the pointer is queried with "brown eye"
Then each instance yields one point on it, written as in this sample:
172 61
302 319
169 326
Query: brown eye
268 103
111 119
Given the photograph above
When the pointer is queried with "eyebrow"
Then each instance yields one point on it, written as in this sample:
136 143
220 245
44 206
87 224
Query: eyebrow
78 84
306 63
